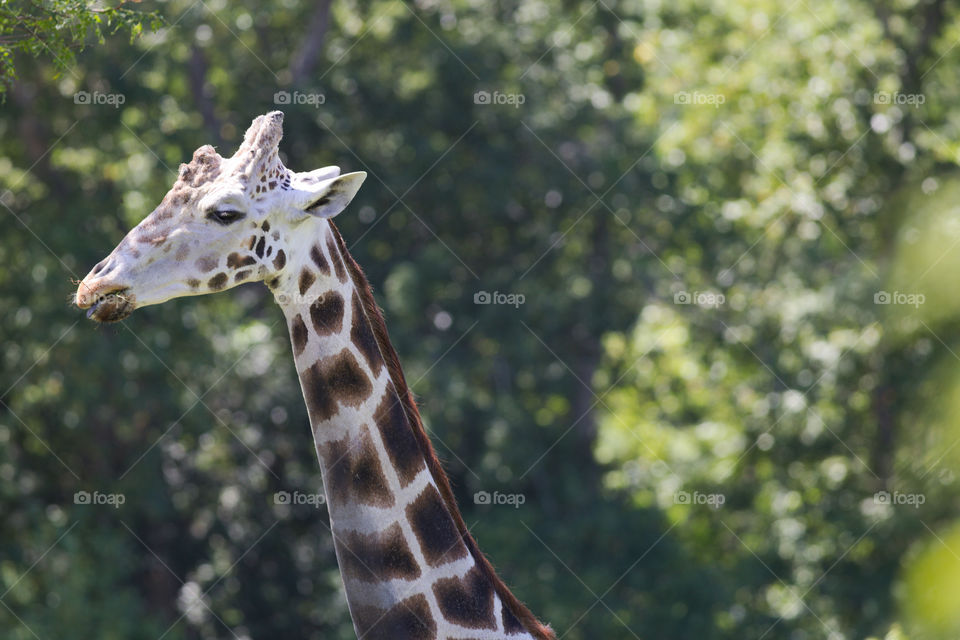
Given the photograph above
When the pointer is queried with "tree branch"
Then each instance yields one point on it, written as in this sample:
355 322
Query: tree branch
200 88
305 58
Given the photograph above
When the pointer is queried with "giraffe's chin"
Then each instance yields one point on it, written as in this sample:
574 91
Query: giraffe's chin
113 307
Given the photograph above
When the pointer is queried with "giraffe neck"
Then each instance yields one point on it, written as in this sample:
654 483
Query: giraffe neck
409 567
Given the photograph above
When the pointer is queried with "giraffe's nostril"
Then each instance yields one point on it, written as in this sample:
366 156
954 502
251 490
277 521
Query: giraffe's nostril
99 267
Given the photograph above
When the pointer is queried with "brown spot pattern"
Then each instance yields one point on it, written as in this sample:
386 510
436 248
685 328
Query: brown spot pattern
218 281
333 380
337 262
317 256
298 334
280 260
510 622
320 403
260 245
353 472
193 283
240 275
156 239
306 279
397 437
327 313
378 556
206 263
432 524
361 333
409 619
150 233
467 601
234 260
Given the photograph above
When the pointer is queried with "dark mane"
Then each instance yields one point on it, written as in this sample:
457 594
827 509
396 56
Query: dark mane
374 315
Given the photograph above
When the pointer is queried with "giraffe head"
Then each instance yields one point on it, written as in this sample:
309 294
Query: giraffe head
225 221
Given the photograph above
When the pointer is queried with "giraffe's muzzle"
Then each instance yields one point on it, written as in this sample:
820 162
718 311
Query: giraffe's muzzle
105 305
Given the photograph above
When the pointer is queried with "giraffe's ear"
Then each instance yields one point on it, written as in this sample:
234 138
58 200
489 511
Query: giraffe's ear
330 197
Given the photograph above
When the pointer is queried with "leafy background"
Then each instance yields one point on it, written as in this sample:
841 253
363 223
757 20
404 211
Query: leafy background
729 398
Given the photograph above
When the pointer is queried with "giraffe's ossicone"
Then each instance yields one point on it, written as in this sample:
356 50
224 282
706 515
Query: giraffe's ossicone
410 569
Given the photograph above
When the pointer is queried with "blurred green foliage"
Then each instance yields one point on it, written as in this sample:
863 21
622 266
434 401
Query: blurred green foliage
728 408
56 29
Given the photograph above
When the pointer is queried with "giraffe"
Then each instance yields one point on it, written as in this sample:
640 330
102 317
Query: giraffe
410 568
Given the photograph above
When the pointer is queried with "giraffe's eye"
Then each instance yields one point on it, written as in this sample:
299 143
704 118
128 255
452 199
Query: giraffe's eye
224 216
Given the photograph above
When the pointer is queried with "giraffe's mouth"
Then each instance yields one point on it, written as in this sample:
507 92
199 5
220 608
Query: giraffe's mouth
112 307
